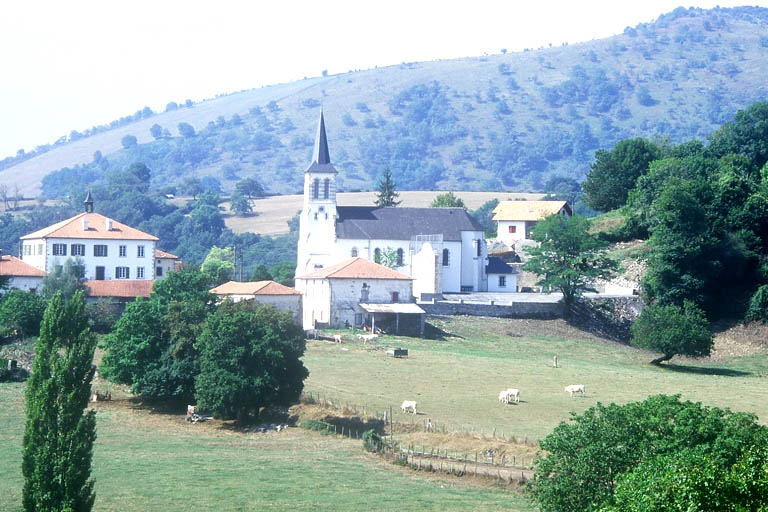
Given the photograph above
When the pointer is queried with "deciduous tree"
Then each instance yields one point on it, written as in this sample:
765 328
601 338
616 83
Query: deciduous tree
448 200
673 330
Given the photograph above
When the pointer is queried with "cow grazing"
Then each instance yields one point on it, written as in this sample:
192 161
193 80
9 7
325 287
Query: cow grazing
575 388
369 337
337 338
503 396
513 393
408 405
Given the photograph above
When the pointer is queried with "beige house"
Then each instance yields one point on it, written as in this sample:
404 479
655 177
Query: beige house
274 294
165 262
358 292
515 219
20 275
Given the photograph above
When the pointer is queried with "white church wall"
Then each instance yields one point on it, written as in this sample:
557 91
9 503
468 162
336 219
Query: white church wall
425 269
316 301
452 271
472 265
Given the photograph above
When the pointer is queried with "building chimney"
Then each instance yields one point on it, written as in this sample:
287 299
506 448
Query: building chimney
109 224
85 224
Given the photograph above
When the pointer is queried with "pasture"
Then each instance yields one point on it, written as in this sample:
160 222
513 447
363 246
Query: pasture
148 460
456 380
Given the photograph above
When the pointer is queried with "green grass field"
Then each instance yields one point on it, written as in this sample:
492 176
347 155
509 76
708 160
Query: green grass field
148 461
456 381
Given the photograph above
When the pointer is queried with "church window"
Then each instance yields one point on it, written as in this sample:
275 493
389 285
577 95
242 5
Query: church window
353 253
326 188
377 255
315 215
316 189
479 248
446 257
400 257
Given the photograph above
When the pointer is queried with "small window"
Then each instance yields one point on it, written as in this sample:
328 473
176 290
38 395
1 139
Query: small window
39 249
100 251
59 249
395 296
140 251
139 272
122 273
513 229
326 188
377 255
353 252
446 257
315 215
27 250
78 249
159 271
502 281
123 250
400 258
315 188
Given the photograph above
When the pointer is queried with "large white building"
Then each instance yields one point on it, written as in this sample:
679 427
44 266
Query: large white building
108 249
443 249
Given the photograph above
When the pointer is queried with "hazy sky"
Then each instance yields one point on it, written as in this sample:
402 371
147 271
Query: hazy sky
72 64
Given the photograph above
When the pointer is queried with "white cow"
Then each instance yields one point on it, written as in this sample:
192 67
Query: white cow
503 396
369 337
513 393
337 338
575 388
408 404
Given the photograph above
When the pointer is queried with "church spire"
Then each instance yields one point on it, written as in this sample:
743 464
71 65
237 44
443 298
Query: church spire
320 155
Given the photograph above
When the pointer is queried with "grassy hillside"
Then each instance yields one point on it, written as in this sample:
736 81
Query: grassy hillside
500 122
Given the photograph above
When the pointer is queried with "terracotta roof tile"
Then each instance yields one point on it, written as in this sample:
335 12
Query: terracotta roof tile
528 210
253 288
356 268
12 266
122 288
97 229
165 255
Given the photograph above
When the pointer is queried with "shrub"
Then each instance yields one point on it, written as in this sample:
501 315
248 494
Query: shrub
758 305
22 311
372 441
673 330
318 426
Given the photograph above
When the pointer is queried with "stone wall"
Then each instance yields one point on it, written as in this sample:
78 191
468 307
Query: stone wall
514 310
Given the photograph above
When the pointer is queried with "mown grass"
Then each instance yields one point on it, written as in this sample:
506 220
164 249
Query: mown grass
456 381
148 461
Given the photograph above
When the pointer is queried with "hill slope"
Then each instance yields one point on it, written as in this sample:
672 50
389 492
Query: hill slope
505 122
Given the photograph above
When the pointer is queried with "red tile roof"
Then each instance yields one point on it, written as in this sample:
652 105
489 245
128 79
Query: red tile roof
122 288
165 255
356 268
14 267
253 288
97 229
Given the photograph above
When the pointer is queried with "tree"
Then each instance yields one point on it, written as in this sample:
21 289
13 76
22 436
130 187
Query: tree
250 358
568 258
448 200
261 273
22 312
484 216
386 195
59 436
581 460
67 280
156 131
758 305
219 264
673 330
129 141
614 173
186 130
191 186
284 272
388 257
240 204
142 173
250 187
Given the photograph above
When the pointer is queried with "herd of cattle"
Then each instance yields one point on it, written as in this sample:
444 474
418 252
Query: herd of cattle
506 396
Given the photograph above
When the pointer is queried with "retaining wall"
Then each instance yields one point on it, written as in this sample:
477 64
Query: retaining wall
514 310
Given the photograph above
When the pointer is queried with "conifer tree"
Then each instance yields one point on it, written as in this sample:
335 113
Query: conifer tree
386 195
59 434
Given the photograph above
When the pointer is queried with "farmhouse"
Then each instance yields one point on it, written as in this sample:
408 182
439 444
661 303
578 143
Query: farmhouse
515 219
108 249
274 294
329 233
359 292
20 275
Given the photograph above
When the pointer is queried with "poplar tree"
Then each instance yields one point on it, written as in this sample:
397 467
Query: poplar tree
59 434
386 195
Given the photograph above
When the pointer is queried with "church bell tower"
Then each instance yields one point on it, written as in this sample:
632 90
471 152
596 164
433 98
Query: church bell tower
317 222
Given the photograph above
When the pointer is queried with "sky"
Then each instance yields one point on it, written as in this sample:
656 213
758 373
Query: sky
71 65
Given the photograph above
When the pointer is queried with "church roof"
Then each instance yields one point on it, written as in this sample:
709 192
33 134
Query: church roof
395 223
356 268
321 158
95 228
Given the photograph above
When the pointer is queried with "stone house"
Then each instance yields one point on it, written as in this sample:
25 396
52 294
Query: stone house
283 298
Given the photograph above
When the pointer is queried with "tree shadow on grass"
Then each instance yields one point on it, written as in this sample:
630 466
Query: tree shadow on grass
705 370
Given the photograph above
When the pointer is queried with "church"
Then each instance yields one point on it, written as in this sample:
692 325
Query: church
442 249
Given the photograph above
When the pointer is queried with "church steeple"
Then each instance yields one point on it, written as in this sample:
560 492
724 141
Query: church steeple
88 202
320 155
